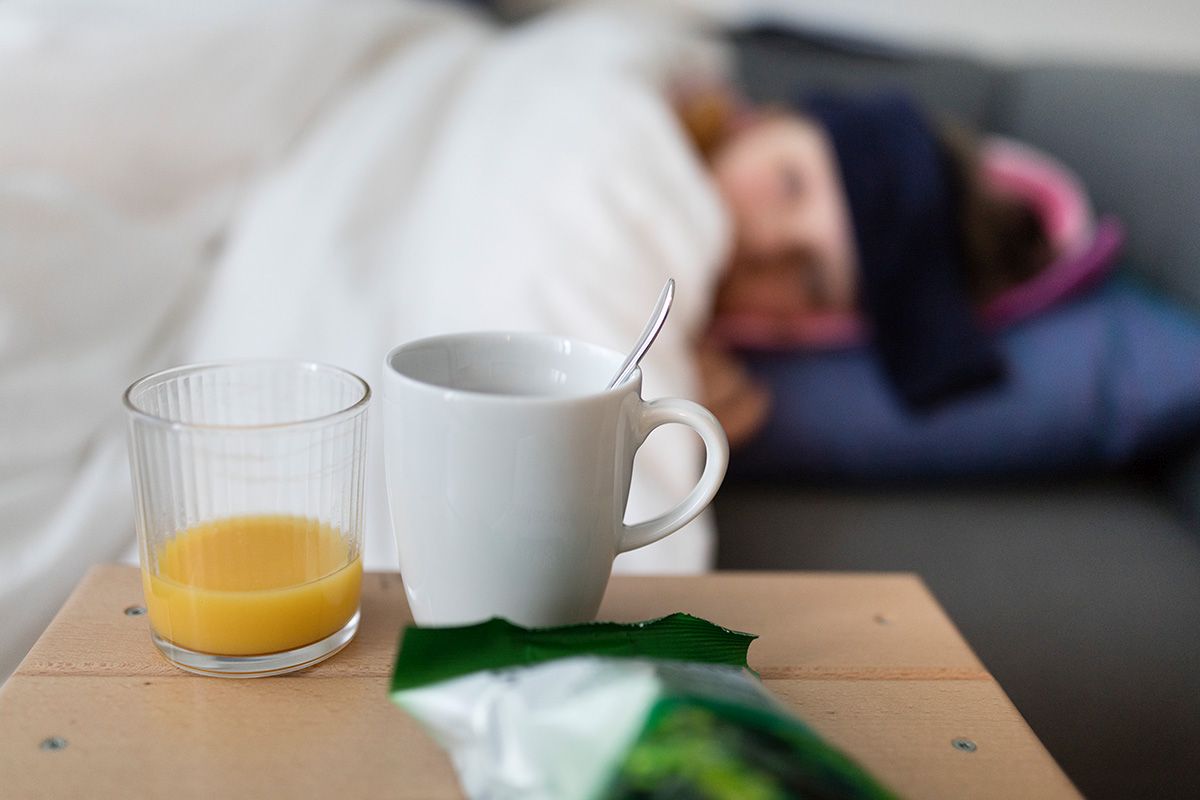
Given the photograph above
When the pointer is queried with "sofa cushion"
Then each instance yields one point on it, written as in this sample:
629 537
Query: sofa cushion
1082 599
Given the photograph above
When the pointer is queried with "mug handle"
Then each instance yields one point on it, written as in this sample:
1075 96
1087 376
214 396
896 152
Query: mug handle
716 460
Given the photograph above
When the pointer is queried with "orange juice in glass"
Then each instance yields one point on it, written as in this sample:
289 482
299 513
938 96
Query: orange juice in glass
248 483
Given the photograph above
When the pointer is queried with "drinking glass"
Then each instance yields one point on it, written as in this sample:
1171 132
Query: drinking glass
248 487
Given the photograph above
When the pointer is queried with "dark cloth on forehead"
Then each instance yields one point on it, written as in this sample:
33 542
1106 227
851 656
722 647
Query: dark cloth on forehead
903 203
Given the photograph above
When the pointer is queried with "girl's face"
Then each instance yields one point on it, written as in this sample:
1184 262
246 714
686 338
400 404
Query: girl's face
794 250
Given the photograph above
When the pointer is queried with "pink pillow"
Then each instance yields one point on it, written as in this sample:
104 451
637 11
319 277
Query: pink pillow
1086 253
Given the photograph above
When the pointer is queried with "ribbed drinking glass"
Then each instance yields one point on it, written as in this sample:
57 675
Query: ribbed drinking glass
248 494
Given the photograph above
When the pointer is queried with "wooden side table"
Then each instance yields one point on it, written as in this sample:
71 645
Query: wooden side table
869 660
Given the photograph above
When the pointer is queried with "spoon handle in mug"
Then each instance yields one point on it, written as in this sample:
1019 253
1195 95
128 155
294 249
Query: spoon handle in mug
653 325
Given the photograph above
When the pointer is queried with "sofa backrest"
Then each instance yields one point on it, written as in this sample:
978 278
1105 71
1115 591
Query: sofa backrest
1134 137
775 64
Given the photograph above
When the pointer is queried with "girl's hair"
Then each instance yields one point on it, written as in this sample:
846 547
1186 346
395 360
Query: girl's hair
707 114
1003 241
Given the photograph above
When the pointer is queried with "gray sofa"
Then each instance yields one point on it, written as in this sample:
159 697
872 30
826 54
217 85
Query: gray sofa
1083 596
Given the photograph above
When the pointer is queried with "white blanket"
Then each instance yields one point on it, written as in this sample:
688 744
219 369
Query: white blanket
320 180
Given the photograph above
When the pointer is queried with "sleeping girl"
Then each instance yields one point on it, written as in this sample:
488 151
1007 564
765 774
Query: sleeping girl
845 204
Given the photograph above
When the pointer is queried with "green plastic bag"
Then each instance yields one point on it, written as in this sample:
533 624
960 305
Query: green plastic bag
605 711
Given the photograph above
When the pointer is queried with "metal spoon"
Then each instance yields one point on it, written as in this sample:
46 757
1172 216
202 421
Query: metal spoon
649 333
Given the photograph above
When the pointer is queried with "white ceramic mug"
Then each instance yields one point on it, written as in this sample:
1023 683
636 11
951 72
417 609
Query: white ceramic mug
508 469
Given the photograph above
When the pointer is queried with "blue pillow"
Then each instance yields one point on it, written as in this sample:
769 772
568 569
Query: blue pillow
1096 383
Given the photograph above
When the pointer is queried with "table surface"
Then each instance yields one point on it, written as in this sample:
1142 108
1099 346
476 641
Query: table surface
868 660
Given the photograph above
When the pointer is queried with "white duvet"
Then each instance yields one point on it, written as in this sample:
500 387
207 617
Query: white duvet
321 180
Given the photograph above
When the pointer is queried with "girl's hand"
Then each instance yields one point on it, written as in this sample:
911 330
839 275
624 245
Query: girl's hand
739 402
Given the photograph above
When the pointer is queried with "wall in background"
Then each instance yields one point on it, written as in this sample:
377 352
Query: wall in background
1149 32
